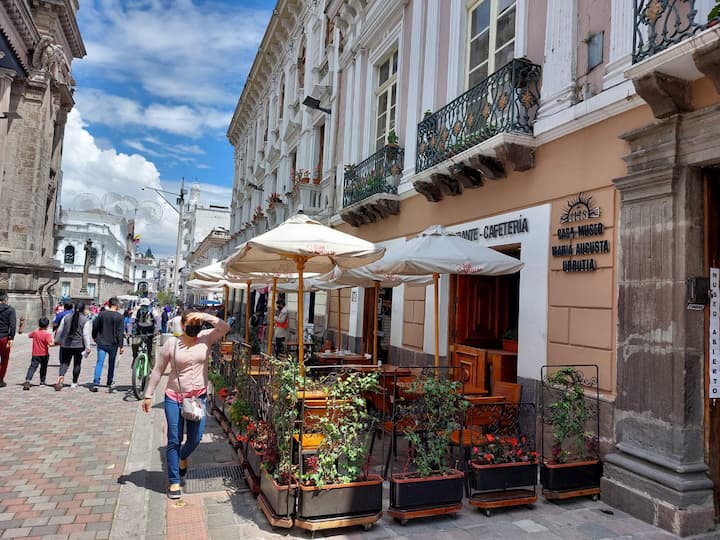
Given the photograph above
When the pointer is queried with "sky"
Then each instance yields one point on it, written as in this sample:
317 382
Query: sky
154 98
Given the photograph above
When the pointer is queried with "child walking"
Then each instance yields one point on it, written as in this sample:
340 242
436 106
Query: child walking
41 341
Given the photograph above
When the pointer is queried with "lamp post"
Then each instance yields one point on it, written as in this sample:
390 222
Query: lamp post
86 267
180 201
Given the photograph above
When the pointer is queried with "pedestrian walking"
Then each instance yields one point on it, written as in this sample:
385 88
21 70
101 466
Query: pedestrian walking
281 327
108 334
188 358
127 322
67 310
42 340
73 339
7 335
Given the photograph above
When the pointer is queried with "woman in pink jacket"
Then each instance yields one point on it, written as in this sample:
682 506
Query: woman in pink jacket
188 357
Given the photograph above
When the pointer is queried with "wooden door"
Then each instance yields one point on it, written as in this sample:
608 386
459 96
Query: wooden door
482 312
368 327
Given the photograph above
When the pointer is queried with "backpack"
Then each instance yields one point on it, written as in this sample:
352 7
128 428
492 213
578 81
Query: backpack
144 318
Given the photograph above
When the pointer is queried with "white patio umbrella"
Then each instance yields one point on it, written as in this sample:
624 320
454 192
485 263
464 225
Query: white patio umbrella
301 244
437 251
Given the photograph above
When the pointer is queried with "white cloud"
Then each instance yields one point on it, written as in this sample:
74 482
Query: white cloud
89 169
174 49
101 108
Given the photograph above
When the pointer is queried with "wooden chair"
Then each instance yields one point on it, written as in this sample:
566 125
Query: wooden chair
512 393
308 439
483 411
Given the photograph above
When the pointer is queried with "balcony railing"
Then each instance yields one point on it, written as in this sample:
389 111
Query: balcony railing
660 24
376 174
507 101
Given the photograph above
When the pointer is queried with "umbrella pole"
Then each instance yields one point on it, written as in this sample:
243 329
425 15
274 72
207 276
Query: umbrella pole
339 327
247 312
271 326
227 298
301 327
437 324
375 310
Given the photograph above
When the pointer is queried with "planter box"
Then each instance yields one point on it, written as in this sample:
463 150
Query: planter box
510 345
339 500
502 476
431 492
571 476
280 498
254 459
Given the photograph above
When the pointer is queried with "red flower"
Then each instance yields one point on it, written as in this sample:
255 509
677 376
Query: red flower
476 450
490 438
488 458
242 438
514 441
223 393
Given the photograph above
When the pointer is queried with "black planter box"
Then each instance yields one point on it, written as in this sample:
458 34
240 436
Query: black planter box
571 476
431 492
339 500
254 459
280 498
502 477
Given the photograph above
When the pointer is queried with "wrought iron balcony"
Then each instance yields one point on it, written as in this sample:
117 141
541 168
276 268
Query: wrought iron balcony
376 174
507 101
660 24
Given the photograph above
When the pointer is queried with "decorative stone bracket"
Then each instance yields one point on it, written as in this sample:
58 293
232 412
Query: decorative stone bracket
374 208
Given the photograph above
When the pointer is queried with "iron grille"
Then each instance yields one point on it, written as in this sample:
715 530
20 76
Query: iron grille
507 101
376 174
660 24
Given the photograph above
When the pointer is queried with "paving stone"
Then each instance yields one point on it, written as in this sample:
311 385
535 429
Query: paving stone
44 530
16 532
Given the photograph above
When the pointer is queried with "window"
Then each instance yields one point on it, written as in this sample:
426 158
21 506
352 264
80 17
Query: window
386 99
91 289
93 255
65 289
69 255
144 274
281 103
301 68
595 50
491 38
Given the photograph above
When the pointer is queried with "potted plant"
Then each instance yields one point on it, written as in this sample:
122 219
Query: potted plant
428 419
714 15
510 340
278 489
260 443
303 176
573 466
317 178
392 138
502 462
335 487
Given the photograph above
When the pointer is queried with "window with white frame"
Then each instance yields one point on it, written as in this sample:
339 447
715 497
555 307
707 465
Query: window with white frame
65 289
386 100
491 33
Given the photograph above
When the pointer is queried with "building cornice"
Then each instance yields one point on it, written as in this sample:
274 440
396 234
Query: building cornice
21 32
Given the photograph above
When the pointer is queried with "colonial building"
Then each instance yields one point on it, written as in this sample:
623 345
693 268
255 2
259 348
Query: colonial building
578 136
38 41
111 253
145 275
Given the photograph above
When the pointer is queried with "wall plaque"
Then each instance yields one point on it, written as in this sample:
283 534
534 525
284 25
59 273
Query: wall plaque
582 239
714 337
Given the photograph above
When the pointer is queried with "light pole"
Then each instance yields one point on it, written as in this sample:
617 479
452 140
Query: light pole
180 201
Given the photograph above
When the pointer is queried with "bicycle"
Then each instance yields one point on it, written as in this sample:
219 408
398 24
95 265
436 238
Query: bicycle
142 366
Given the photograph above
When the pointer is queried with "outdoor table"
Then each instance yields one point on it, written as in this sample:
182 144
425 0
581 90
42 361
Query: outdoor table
341 358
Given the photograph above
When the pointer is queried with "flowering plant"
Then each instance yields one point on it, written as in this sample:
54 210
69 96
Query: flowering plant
300 176
259 435
273 199
496 449
258 214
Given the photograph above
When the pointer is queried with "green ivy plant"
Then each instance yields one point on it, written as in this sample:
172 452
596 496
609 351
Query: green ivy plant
568 415
345 427
430 419
714 12
217 379
283 415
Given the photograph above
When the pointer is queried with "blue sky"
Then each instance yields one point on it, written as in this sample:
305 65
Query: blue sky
154 97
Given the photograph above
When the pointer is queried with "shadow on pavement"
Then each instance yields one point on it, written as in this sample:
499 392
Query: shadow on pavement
152 480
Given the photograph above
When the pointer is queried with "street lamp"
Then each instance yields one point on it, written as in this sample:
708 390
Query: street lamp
314 103
180 201
86 266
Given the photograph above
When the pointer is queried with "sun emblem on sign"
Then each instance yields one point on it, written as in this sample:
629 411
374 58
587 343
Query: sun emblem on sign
579 209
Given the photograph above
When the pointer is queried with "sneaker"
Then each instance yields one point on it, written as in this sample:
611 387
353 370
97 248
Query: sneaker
26 385
42 382
111 388
3 384
94 388
58 386
73 385
174 492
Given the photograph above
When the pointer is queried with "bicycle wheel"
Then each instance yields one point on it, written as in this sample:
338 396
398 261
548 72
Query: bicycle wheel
139 375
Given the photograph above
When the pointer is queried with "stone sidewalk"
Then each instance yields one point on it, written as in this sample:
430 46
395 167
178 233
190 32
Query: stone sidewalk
62 452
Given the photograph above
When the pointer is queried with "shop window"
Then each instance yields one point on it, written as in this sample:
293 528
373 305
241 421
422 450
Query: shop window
69 255
491 42
386 99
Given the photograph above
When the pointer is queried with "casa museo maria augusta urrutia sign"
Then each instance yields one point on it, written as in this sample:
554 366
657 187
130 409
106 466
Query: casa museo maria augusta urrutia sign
581 241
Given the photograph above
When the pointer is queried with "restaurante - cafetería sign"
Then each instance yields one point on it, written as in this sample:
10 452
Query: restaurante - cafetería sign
581 237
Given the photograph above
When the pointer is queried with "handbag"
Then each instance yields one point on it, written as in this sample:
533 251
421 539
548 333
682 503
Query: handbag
193 409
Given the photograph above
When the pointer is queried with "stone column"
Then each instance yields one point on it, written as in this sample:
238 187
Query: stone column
560 59
658 472
414 90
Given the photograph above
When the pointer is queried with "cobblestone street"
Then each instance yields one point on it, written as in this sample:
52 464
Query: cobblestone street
83 465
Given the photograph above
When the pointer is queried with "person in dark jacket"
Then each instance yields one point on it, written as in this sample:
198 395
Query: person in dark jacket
7 335
108 333
73 342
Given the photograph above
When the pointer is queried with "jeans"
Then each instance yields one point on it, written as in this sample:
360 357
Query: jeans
176 425
111 351
36 361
